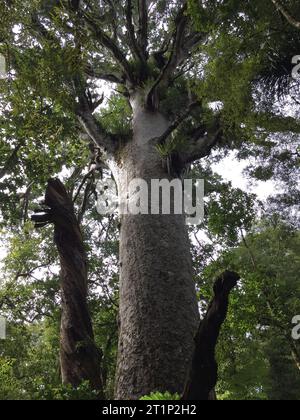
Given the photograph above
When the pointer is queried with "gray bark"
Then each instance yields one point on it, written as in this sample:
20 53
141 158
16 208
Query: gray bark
158 305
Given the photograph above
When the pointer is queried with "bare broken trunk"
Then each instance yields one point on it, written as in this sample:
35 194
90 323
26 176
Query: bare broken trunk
80 359
203 375
158 305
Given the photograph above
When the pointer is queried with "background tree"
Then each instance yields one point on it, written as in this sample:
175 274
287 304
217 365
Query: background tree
80 359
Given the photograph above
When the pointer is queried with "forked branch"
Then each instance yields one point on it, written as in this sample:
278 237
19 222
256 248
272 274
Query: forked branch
109 44
181 22
88 121
182 44
135 46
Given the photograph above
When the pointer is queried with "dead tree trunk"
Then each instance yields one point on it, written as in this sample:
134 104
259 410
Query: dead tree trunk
203 375
79 357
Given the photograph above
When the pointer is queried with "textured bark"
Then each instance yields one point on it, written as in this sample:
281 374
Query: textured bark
158 311
158 306
79 357
204 371
295 353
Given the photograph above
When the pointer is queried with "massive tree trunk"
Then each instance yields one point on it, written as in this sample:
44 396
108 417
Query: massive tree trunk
158 310
203 376
158 306
79 357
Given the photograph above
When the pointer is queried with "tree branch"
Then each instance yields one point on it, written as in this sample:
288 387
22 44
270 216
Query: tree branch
204 371
115 7
180 23
87 194
286 14
182 46
93 128
177 122
143 26
136 49
90 124
85 178
201 145
110 45
95 73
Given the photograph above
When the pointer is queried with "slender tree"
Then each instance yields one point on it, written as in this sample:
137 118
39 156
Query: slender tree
80 359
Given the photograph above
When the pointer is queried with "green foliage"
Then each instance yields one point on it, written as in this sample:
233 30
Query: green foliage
167 396
255 346
116 118
229 212
66 392
9 386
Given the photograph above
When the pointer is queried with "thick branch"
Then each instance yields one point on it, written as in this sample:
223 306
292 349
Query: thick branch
96 73
204 371
110 45
200 145
286 14
93 128
134 45
177 122
143 26
181 22
90 124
